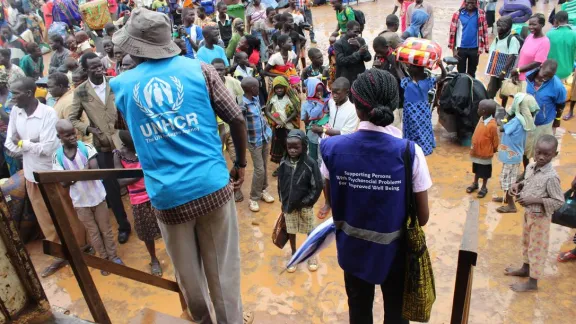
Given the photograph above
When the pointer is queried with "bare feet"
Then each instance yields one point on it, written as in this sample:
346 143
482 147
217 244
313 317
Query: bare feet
522 272
529 285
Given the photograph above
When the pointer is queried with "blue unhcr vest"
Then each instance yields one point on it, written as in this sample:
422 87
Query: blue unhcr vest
368 200
167 108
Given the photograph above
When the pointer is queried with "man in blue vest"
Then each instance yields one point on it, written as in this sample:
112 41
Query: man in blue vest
170 104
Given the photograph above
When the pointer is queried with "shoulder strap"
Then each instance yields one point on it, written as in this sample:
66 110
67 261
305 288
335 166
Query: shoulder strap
410 203
83 149
59 155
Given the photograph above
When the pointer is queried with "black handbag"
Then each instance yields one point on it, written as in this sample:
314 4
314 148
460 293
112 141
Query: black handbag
566 215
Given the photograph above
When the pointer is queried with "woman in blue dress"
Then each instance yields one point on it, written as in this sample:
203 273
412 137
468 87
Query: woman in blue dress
417 115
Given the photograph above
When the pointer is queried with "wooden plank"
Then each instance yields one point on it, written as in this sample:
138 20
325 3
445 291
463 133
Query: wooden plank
72 251
467 257
56 250
99 174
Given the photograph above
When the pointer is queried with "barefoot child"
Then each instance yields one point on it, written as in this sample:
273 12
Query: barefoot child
417 114
299 187
144 220
519 121
541 195
484 144
88 197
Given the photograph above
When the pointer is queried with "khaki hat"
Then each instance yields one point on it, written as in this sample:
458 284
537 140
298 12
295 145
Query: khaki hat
147 34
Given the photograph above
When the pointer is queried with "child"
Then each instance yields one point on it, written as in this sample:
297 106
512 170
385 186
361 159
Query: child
299 187
283 112
316 69
384 59
315 112
202 18
484 145
110 29
259 135
570 114
331 62
70 65
417 116
243 68
109 60
541 195
283 63
144 220
520 120
88 197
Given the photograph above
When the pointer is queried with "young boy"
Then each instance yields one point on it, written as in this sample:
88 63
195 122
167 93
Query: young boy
210 50
384 59
519 121
259 136
299 187
541 195
484 144
88 197
391 32
316 69
109 60
243 69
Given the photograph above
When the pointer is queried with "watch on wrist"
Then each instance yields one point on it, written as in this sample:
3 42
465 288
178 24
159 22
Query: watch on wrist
240 165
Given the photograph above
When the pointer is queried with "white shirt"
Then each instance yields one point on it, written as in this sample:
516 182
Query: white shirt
421 180
343 118
40 125
83 193
100 90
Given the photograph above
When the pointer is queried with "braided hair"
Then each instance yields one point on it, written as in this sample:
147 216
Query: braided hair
375 92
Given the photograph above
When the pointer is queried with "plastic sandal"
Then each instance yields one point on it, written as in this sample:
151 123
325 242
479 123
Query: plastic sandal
472 188
482 193
156 269
566 256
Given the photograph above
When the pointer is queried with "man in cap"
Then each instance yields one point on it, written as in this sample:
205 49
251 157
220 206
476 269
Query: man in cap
170 104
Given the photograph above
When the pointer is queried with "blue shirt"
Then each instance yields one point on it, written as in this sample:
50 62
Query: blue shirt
512 143
174 129
550 94
258 130
208 55
469 24
195 32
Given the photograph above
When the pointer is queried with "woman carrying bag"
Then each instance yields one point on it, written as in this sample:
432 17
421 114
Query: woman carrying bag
367 184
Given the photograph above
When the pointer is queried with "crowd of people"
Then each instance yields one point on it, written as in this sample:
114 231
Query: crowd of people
143 90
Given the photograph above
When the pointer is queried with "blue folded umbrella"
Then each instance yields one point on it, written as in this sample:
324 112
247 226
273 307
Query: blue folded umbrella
318 240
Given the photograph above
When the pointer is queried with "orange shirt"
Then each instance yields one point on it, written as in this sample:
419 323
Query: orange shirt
485 140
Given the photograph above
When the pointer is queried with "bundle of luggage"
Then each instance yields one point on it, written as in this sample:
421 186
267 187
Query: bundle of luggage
95 14
420 52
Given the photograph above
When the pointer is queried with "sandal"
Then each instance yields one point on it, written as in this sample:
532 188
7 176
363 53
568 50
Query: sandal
568 117
312 264
506 210
498 199
472 188
104 273
247 318
566 256
156 269
52 268
482 193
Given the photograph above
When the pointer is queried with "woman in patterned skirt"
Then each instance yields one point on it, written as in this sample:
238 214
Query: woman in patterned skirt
144 220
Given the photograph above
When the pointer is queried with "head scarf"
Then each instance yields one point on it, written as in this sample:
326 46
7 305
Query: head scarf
524 107
419 18
292 95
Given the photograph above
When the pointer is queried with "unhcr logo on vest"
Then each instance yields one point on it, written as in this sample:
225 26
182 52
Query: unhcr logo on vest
158 94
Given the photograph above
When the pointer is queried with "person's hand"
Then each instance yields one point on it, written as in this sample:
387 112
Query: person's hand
501 76
515 189
16 138
363 49
94 130
280 125
317 129
182 31
237 177
353 42
527 201
455 54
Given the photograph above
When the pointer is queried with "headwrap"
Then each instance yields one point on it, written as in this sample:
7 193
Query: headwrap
419 18
292 95
524 107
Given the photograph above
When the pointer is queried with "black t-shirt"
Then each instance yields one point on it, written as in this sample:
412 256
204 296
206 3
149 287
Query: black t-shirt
225 29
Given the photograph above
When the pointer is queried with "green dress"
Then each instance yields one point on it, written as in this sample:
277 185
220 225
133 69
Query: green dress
231 49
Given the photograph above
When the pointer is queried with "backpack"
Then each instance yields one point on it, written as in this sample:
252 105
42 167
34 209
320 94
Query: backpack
518 37
359 17
60 152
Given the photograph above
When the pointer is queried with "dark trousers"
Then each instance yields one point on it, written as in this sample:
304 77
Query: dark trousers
468 62
106 161
493 86
361 295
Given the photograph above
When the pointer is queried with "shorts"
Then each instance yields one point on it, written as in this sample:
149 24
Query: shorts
532 137
300 221
509 175
483 171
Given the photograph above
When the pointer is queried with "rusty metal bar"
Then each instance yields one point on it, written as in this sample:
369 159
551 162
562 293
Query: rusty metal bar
54 203
56 250
467 257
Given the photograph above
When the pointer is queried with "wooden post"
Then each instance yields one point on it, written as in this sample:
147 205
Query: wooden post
467 257
53 200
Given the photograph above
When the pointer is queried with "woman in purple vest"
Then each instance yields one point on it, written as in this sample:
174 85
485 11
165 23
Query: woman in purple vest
365 176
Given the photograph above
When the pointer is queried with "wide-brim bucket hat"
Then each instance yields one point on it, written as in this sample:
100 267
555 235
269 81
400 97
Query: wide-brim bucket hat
147 34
